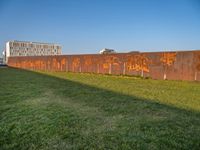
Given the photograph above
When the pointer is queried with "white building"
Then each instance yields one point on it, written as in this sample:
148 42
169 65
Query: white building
107 51
25 48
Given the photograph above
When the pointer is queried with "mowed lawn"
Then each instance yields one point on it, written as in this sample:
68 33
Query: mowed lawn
59 110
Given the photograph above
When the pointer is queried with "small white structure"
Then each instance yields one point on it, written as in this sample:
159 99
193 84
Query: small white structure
107 51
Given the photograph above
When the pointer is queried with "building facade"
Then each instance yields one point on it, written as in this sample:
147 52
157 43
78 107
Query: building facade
1 61
25 48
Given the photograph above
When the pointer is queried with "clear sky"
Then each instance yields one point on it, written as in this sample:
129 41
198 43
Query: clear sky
86 26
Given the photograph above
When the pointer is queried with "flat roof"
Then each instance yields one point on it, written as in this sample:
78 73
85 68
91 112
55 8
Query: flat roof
34 42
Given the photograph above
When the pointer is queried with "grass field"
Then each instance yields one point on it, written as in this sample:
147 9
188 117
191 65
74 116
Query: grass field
54 110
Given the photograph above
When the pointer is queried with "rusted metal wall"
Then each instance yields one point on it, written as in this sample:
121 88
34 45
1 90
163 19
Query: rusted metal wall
184 65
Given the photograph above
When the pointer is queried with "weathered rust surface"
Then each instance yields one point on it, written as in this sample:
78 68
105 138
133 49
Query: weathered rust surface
183 65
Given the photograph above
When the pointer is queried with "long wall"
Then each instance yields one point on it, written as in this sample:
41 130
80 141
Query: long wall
183 65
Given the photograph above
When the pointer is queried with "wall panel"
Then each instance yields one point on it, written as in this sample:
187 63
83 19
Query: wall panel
183 65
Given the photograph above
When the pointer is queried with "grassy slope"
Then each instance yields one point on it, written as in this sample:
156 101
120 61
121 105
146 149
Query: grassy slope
83 111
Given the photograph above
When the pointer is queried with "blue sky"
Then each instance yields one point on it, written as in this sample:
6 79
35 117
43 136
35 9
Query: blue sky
86 26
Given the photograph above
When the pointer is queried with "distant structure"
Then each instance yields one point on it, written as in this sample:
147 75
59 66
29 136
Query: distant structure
26 48
1 61
134 52
107 51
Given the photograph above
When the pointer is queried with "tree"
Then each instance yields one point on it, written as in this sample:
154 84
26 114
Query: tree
124 61
87 62
109 61
63 63
167 60
97 61
138 62
76 64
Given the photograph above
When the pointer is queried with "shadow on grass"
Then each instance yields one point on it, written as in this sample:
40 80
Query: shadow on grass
104 119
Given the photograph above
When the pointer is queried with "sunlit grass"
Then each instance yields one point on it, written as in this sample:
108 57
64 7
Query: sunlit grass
85 111
181 94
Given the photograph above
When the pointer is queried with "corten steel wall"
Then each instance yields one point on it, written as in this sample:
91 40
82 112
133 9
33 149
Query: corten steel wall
184 65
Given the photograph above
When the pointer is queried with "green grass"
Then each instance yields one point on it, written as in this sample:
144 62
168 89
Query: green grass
55 110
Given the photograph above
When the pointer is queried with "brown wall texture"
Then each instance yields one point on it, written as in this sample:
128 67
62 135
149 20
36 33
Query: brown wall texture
182 65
